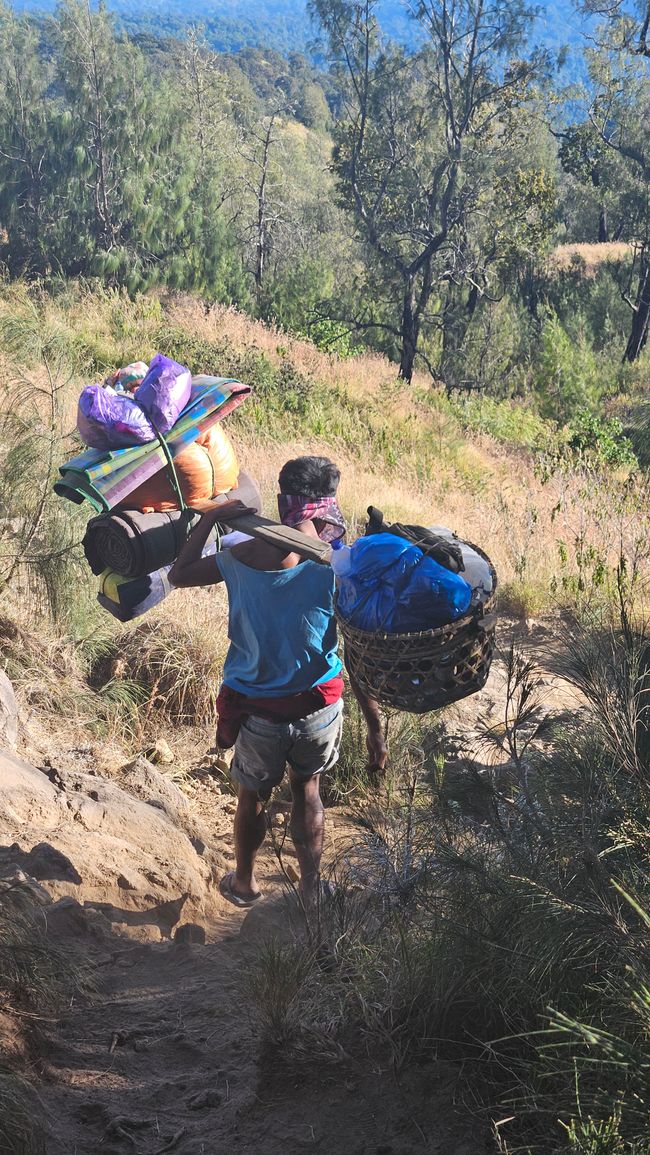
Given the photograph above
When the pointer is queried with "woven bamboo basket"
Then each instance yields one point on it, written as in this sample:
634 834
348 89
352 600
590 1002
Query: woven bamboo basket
427 670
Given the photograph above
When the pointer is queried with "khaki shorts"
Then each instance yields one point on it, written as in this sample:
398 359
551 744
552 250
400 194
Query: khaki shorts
263 749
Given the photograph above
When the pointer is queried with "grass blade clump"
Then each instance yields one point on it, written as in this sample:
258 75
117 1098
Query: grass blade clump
36 978
174 669
20 1133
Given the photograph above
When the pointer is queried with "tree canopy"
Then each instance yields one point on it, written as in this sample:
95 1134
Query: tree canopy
407 197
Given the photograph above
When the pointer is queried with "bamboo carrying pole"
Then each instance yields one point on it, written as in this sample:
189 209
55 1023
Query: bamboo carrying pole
281 536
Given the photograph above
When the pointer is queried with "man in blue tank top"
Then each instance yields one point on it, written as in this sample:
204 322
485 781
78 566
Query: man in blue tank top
281 698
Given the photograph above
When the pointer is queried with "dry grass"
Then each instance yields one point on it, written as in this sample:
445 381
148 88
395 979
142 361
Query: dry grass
591 256
405 451
176 666
429 472
366 375
514 517
36 977
19 1131
58 709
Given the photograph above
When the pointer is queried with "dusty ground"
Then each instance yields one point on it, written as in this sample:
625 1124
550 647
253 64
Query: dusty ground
167 1060
166 1055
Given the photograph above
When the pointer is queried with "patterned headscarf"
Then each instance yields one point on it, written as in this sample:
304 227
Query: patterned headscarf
295 508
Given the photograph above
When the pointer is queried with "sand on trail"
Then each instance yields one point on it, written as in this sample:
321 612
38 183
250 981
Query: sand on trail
166 1056
167 1059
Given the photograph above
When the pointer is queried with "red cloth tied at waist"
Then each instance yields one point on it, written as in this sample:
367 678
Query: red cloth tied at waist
234 708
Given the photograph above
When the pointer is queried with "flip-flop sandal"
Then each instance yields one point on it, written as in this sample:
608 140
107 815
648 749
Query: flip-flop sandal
227 892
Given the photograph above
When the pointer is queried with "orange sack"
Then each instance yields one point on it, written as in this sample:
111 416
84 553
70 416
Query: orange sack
208 466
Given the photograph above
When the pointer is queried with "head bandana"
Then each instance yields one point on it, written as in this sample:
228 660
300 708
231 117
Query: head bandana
295 508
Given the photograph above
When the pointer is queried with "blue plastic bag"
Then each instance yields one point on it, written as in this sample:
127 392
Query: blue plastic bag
388 584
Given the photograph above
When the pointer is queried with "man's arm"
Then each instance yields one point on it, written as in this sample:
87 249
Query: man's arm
375 740
190 568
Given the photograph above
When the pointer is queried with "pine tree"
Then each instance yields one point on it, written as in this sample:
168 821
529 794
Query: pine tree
128 197
29 166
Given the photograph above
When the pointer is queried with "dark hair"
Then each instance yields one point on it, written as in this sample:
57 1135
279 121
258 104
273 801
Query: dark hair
309 477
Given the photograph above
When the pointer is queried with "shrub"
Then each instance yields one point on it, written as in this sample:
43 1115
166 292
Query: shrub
488 353
282 987
568 375
38 532
515 422
50 675
333 337
600 439
174 671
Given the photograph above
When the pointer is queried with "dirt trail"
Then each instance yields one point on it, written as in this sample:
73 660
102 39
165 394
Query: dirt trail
166 1058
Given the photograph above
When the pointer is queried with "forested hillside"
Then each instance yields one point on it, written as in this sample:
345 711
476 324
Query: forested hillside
286 26
427 256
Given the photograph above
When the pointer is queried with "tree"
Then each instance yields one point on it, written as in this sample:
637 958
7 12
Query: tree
29 184
618 113
584 156
127 206
264 230
212 136
263 139
311 253
623 30
415 145
283 223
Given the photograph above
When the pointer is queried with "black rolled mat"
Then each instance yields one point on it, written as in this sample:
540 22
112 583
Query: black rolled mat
133 544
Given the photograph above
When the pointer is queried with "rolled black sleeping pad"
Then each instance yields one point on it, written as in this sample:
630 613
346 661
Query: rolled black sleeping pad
134 544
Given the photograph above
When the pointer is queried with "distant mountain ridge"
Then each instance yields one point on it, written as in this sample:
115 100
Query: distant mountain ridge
285 24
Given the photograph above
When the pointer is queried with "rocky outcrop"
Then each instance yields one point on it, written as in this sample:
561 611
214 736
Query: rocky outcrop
138 859
8 713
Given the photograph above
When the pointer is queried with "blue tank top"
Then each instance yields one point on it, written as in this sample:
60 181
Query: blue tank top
281 627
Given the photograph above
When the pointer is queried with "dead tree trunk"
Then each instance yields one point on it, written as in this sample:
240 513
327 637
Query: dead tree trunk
641 314
105 229
410 332
262 236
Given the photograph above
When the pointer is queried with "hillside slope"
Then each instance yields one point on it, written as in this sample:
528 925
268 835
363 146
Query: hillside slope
344 1034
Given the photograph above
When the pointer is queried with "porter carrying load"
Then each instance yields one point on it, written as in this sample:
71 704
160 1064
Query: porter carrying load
415 670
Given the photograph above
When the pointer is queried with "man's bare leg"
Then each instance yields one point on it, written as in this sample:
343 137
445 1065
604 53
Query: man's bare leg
307 831
250 831
375 740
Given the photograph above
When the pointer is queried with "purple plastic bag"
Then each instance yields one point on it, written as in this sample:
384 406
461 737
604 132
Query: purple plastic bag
110 420
164 392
